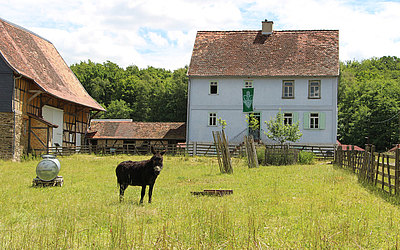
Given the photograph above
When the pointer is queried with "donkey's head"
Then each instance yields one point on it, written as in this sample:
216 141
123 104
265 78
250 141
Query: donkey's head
157 160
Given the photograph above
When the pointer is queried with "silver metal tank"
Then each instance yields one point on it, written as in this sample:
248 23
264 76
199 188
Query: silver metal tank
48 168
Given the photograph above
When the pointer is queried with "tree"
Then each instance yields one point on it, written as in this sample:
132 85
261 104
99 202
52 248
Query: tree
280 132
118 109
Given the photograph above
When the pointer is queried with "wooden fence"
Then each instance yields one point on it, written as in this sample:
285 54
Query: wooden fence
172 149
379 169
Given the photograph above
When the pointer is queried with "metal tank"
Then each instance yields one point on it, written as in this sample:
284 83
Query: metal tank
48 168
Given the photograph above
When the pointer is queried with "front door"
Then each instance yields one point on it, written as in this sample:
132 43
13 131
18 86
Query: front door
255 131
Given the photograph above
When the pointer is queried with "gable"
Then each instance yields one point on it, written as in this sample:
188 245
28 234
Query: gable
37 59
251 54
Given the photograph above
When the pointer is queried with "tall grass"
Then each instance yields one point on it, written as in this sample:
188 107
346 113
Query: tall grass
298 206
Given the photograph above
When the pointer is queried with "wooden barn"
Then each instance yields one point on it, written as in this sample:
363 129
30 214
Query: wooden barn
135 137
42 103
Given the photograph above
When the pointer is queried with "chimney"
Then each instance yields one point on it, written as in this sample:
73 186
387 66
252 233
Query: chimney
267 27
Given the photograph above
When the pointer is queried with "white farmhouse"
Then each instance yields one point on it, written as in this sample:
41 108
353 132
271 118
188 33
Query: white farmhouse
295 71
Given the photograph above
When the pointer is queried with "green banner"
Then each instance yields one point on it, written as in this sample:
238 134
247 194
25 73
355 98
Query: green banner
248 94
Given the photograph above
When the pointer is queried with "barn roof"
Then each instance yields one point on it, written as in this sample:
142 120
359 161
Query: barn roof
251 54
104 129
36 58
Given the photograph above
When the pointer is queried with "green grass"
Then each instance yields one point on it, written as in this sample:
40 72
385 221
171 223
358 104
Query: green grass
298 206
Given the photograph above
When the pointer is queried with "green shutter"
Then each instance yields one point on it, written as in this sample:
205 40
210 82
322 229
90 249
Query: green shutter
295 117
306 120
322 122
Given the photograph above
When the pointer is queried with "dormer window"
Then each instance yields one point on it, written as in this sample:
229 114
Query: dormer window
213 88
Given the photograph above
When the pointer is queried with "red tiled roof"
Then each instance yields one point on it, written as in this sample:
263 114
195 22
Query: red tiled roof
138 130
249 53
36 58
348 147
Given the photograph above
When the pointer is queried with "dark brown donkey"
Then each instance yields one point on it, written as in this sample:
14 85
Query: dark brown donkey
139 173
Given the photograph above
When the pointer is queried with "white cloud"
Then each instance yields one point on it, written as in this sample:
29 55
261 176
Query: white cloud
161 33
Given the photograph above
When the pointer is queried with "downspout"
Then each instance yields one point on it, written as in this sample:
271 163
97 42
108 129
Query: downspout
15 116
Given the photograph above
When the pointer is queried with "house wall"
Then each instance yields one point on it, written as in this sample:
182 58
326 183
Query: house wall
267 101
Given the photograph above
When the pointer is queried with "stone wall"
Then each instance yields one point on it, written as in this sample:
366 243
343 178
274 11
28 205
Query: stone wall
6 135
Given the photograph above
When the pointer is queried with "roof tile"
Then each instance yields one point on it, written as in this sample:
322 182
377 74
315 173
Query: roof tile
249 53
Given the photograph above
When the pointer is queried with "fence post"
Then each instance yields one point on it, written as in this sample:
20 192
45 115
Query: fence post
396 171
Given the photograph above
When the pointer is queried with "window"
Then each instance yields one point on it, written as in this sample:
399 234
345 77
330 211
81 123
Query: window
314 89
288 118
213 88
212 119
314 120
248 84
288 89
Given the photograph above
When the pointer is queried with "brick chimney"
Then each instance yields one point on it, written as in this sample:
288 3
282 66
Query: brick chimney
267 27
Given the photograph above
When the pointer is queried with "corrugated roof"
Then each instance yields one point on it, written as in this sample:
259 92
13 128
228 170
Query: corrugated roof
249 53
36 58
137 130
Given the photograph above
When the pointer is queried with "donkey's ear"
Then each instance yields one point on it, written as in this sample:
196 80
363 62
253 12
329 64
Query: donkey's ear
163 152
153 151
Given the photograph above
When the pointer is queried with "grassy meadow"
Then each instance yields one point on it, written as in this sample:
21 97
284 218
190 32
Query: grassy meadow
301 206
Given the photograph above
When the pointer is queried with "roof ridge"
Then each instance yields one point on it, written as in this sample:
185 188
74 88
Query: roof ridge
243 31
24 29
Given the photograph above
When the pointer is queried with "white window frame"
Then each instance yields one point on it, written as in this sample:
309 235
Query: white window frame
289 94
314 120
248 83
314 89
288 118
213 84
212 119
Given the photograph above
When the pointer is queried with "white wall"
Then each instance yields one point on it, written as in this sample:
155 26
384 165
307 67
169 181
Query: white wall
267 101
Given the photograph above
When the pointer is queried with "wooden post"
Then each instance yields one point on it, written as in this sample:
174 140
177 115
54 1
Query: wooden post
396 172
218 151
388 172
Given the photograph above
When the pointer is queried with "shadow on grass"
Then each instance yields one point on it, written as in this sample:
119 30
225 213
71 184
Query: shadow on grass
391 198
373 189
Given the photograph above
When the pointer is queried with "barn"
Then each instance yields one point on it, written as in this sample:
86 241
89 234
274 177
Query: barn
42 103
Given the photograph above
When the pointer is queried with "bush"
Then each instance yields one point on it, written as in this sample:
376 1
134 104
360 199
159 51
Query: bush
260 154
278 156
306 157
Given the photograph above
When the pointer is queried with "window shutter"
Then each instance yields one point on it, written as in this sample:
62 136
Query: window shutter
295 117
306 120
322 123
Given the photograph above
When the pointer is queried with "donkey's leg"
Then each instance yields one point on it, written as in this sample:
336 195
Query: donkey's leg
122 188
143 193
150 191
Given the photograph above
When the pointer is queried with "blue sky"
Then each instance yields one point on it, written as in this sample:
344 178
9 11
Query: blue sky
161 33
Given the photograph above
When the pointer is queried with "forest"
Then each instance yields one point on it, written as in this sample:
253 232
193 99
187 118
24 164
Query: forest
368 96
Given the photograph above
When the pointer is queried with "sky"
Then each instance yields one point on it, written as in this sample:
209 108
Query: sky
161 33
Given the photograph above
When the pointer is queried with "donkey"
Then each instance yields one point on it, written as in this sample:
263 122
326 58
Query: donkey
139 173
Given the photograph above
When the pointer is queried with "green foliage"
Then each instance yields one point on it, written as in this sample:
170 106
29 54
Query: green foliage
222 123
118 108
260 154
280 132
149 94
369 102
306 158
252 121
279 157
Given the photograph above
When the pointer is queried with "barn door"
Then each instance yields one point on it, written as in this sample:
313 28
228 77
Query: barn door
55 116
